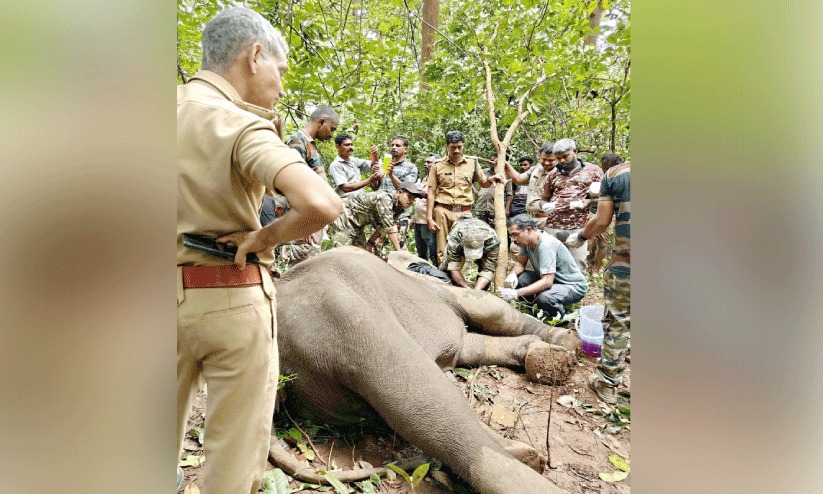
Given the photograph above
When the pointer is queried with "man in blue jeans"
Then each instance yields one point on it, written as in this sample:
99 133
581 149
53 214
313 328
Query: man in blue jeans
556 280
424 239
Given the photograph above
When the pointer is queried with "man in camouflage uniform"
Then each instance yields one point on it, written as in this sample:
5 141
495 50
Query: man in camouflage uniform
471 238
380 209
614 199
599 244
566 191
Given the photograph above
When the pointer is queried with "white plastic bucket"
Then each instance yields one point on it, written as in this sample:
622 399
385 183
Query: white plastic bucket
590 329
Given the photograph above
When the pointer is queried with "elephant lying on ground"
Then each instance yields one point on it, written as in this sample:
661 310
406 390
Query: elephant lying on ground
368 340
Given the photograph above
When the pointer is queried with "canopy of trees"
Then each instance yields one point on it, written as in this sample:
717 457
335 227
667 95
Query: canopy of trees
364 58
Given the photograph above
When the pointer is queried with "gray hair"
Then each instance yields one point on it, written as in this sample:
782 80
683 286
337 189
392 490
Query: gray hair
233 29
325 112
564 145
521 221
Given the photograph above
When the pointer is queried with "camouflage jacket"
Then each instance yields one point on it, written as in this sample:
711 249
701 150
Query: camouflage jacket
371 208
477 229
562 189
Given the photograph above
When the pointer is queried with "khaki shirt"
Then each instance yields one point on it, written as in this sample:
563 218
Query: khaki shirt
228 154
454 181
535 190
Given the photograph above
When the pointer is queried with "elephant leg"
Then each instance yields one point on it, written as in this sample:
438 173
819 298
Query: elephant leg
544 362
520 450
490 315
417 400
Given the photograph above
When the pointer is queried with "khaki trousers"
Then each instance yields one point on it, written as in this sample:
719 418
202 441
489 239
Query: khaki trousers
444 218
228 337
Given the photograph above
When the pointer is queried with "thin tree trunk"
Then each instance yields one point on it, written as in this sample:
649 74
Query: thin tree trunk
431 19
594 23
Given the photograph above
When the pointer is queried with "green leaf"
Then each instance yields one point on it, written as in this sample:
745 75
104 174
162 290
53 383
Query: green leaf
615 476
619 462
418 474
295 434
366 486
192 461
306 451
399 471
375 479
339 487
275 482
464 373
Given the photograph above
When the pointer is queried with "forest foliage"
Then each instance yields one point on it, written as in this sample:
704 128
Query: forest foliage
362 57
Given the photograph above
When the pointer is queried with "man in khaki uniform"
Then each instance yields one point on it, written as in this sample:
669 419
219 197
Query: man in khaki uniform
450 189
228 154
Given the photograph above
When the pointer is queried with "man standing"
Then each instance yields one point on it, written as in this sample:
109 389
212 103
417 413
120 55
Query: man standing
320 127
379 209
424 239
228 154
556 280
518 204
473 239
534 178
399 170
566 189
450 189
345 170
599 244
615 191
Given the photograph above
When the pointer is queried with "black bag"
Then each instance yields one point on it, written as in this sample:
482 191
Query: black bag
429 270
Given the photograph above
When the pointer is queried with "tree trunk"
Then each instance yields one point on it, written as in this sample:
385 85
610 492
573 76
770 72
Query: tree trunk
594 23
614 127
431 19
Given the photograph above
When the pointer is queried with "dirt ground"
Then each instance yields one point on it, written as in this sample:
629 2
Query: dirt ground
584 432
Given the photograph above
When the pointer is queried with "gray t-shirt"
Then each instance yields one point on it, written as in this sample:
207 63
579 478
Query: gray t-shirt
346 172
551 256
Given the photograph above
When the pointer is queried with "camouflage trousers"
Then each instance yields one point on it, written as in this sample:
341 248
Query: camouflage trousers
298 251
344 232
616 327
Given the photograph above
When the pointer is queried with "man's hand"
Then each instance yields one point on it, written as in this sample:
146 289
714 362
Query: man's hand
498 179
433 226
246 242
574 240
373 156
548 207
390 169
507 294
511 281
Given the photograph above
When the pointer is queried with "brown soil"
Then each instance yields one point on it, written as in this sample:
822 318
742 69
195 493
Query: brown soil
581 438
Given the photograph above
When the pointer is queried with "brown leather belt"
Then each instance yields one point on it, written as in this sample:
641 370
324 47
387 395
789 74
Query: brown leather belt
453 208
221 276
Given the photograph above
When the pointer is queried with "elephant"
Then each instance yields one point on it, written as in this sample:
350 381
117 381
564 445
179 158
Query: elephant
367 340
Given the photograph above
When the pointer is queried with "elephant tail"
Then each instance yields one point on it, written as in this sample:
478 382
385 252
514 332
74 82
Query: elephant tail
282 459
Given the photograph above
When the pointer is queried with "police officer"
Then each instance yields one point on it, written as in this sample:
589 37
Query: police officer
228 154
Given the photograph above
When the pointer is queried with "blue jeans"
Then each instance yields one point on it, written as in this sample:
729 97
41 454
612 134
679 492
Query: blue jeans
426 242
553 300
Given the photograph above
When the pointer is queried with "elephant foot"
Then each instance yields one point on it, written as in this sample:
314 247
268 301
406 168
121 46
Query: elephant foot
549 364
527 455
565 337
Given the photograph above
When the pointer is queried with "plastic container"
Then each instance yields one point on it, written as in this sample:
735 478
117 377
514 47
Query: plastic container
386 162
589 327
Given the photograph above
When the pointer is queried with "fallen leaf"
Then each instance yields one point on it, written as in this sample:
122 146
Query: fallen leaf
191 461
503 416
615 476
614 445
443 478
191 489
566 401
620 463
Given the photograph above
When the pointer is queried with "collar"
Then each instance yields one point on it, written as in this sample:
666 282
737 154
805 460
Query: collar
306 136
231 94
449 160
